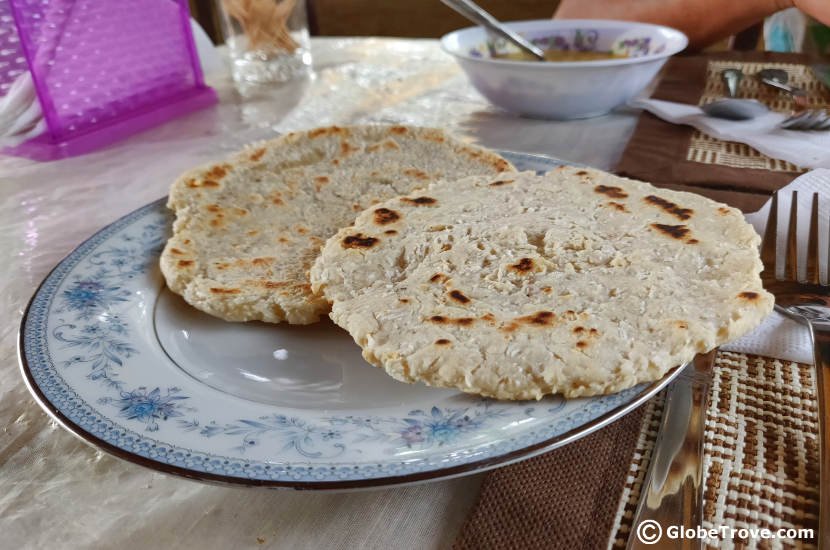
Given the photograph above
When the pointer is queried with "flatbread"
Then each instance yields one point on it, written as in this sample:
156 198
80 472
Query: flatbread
248 229
576 282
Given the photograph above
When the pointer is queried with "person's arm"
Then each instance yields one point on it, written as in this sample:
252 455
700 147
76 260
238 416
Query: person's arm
704 21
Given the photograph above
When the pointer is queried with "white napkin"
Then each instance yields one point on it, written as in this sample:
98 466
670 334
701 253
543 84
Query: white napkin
779 336
806 149
21 117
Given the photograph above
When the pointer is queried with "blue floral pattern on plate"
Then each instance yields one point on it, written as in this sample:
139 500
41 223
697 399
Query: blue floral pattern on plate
92 359
147 406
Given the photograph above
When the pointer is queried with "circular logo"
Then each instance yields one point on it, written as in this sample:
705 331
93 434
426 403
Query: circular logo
649 531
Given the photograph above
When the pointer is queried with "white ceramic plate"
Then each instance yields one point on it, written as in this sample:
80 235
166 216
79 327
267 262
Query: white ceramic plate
126 365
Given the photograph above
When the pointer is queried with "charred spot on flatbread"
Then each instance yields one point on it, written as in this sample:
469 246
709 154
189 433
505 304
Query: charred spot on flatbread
419 201
459 297
611 191
539 318
522 266
218 172
460 321
346 148
326 131
501 165
417 174
674 231
669 207
359 241
192 184
218 290
274 284
385 216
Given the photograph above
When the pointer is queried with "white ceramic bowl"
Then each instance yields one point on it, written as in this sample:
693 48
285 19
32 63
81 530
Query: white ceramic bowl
563 90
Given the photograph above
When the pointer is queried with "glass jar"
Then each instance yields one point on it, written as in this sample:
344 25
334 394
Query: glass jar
268 39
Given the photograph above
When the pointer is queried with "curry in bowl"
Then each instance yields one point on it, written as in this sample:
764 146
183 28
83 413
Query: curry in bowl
561 55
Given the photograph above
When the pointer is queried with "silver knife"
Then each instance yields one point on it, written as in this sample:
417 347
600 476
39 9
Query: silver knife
672 494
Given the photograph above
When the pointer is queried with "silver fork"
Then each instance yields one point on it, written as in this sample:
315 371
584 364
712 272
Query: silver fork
809 119
802 118
806 300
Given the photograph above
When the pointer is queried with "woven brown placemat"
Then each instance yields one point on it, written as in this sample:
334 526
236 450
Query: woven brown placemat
681 157
760 453
760 470
566 498
704 149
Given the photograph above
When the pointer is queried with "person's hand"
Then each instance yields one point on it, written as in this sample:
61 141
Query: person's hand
703 21
820 9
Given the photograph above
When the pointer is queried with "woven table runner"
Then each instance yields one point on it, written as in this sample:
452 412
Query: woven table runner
760 470
681 157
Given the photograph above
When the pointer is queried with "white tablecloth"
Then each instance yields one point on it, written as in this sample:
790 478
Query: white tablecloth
57 492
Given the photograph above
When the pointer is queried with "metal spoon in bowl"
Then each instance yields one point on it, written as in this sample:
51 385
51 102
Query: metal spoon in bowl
732 108
474 13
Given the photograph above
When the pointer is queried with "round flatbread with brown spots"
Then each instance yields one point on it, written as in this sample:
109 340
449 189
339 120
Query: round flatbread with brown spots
248 229
517 286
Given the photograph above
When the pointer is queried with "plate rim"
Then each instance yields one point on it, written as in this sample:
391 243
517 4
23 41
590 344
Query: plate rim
435 474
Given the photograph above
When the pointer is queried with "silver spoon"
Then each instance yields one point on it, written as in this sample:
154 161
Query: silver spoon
745 109
474 13
778 78
802 118
732 108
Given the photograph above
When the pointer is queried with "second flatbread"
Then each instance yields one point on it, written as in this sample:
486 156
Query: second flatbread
248 229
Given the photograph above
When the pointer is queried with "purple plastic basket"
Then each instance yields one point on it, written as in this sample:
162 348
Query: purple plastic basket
102 69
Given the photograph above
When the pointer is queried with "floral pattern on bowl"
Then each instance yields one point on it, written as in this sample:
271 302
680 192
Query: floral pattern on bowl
582 40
